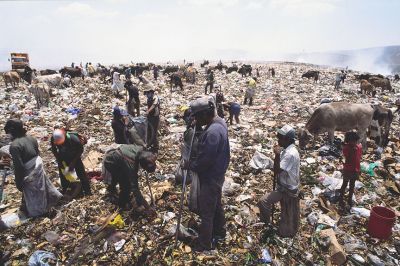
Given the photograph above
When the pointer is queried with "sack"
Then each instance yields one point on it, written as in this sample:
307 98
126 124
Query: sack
194 192
179 174
140 124
83 139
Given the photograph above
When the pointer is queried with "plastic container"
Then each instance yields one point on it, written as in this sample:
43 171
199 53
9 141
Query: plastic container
381 222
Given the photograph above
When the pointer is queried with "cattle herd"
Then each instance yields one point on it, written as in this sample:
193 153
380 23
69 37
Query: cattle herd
326 118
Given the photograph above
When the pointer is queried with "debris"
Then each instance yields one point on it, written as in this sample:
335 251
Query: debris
118 245
266 257
360 211
336 252
42 258
79 233
260 161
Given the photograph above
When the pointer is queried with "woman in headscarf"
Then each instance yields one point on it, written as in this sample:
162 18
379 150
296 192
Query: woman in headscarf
39 194
119 125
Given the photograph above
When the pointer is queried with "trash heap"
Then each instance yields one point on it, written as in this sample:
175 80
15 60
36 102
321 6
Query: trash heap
89 231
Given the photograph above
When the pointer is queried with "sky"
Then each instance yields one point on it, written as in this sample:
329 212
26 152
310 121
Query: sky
56 33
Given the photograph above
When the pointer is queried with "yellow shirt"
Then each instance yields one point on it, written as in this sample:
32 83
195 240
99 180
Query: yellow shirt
252 83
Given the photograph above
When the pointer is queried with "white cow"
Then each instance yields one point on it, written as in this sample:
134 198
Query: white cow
51 80
41 92
338 116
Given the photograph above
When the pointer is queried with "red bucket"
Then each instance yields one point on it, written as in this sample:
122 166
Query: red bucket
381 222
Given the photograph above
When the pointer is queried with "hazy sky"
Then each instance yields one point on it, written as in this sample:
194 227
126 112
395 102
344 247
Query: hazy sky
117 31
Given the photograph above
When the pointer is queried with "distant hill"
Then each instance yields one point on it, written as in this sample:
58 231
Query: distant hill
384 60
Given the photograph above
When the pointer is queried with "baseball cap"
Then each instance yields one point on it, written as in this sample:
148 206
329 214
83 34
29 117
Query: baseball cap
201 104
287 131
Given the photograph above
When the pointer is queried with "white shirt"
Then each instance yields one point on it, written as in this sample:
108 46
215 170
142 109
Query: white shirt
116 76
290 164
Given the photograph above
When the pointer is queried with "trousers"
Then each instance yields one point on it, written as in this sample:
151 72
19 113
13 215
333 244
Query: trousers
290 211
211 214
152 132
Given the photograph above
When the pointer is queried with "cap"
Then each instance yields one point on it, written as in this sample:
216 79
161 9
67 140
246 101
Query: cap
59 136
287 131
201 104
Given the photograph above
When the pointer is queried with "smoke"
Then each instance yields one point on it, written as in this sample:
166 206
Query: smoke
382 60
370 60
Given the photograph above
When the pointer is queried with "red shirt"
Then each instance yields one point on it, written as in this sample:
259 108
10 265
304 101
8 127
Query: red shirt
352 154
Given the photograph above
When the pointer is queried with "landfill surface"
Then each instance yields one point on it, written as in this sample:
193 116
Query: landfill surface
79 232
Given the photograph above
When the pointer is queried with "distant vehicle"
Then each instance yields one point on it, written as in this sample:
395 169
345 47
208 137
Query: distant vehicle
19 61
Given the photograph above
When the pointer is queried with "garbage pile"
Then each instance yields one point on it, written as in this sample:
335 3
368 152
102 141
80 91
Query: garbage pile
89 231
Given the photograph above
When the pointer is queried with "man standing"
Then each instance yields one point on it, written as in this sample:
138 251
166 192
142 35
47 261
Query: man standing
286 171
128 73
117 84
133 98
153 120
219 99
155 72
338 79
39 194
123 164
67 148
91 70
210 82
211 164
251 91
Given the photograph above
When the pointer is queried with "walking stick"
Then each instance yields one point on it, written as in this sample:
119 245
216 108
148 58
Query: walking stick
178 224
151 192
147 174
3 182
276 171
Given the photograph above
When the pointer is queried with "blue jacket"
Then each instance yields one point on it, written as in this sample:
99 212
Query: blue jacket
213 153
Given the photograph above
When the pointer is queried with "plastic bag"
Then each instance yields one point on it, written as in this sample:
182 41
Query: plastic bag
118 222
71 176
260 161
194 192
41 258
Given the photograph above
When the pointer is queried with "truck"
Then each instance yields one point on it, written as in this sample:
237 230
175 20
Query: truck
19 61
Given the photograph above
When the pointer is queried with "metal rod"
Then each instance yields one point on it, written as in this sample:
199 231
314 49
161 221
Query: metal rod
178 224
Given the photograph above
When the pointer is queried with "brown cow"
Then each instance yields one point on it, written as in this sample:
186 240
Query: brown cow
384 116
12 78
382 83
367 87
